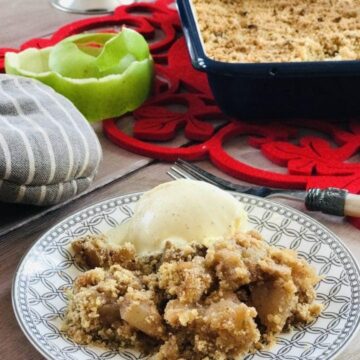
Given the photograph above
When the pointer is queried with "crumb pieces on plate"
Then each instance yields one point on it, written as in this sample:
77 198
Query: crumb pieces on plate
214 303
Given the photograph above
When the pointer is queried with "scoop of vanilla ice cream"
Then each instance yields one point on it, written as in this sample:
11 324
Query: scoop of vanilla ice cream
181 211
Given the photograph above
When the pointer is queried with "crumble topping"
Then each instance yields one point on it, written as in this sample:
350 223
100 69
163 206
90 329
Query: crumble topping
195 303
252 31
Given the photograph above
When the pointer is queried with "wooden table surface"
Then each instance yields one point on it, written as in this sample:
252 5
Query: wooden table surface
20 20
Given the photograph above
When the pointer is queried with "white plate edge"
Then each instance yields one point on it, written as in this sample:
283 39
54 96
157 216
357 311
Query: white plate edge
139 193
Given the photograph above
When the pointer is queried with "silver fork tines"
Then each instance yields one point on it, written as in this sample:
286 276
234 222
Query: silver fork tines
177 174
197 173
184 170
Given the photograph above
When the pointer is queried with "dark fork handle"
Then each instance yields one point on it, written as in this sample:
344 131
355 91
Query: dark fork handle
329 201
333 201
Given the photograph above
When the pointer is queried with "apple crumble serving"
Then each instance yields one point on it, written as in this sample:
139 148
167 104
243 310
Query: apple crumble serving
196 302
279 30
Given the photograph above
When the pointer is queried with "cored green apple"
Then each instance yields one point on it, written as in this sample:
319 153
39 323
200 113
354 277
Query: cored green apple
104 75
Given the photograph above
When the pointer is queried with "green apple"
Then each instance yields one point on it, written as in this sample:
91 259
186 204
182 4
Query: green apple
104 75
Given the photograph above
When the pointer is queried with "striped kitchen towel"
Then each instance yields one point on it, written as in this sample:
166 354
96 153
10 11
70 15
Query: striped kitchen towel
48 151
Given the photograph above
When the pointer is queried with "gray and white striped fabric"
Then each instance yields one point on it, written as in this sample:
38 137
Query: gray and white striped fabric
48 150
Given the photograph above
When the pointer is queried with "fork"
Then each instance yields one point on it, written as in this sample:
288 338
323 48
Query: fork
332 201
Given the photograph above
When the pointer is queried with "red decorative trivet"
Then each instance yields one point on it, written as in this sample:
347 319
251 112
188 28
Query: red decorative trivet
327 159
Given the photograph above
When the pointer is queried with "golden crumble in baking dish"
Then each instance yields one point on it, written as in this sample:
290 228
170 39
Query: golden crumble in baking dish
218 302
252 31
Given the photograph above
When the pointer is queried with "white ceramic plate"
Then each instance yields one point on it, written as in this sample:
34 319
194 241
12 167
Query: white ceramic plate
48 268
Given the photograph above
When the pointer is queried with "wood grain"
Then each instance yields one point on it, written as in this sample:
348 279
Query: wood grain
20 20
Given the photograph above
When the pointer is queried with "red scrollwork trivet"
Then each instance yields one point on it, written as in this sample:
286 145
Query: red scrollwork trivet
313 153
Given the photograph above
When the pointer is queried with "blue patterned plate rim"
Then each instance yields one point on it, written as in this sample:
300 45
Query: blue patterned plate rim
274 206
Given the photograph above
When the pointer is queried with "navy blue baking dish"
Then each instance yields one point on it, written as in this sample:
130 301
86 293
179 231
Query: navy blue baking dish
321 89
